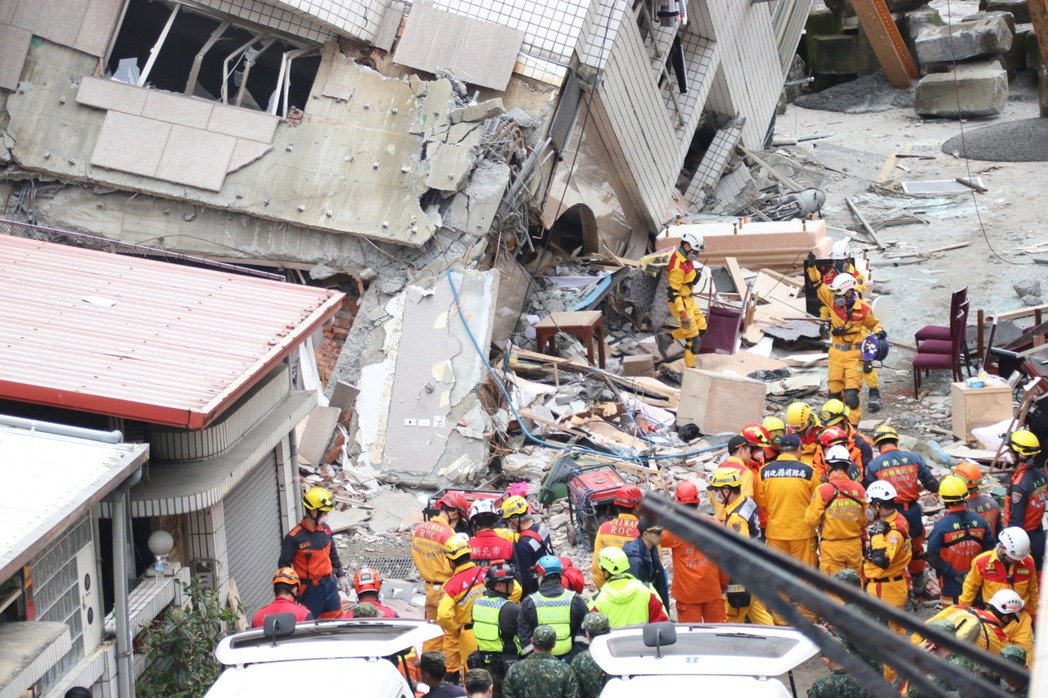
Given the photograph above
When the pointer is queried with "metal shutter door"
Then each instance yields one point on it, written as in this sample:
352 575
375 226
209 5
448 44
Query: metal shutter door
253 534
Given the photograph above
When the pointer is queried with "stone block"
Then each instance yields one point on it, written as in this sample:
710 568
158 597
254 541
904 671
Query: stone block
1018 8
981 89
639 365
845 54
177 109
243 123
14 46
196 158
103 93
823 22
1025 34
917 21
478 112
963 41
449 163
130 143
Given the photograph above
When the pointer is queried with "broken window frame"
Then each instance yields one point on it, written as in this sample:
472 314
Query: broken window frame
281 91
642 15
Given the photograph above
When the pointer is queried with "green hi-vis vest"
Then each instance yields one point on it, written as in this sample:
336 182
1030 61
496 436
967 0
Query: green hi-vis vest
624 600
486 625
556 612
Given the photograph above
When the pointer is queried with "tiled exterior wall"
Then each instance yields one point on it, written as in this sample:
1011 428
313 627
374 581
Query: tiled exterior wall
270 14
206 540
713 163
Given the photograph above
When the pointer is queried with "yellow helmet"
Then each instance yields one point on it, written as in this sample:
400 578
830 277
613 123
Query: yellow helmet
318 499
832 412
884 433
953 489
613 560
726 477
1025 443
774 424
514 506
799 416
456 546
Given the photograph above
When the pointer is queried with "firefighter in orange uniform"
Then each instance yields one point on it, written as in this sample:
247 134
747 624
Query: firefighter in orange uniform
618 531
784 490
888 552
310 549
698 584
740 455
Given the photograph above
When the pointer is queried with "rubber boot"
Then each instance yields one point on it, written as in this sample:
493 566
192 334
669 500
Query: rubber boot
689 359
874 400
662 342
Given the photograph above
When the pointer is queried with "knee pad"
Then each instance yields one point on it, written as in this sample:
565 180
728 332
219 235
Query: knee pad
851 398
833 396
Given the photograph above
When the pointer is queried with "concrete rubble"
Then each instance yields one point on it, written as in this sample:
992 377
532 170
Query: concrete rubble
969 90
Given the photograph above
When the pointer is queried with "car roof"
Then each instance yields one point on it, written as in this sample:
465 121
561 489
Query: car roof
369 678
748 686
720 649
332 639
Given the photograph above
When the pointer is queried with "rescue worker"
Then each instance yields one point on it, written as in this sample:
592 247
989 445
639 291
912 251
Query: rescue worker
960 661
487 545
838 512
986 628
1016 655
368 585
310 549
838 683
956 539
800 419
427 551
479 684
1017 624
495 620
362 610
776 429
851 319
784 491
540 674
888 552
681 274
835 413
646 559
533 539
740 516
552 605
623 599
432 672
836 436
1027 495
285 589
979 503
760 443
455 507
697 585
1008 566
740 453
591 677
908 473
616 532
455 610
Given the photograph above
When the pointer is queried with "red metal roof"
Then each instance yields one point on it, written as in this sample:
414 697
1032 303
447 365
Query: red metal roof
139 338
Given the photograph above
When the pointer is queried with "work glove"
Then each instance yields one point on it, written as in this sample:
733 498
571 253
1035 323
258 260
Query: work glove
343 584
878 528
883 334
685 322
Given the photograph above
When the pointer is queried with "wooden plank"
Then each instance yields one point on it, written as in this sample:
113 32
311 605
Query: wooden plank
1039 18
894 56
732 265
865 225
775 174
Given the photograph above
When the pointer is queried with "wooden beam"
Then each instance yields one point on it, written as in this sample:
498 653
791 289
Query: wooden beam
1039 17
865 224
876 22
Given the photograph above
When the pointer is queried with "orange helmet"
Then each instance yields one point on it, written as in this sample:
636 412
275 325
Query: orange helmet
969 472
756 435
832 435
456 501
687 493
628 496
367 579
287 575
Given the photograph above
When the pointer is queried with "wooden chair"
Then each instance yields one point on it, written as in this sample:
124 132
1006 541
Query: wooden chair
927 360
942 332
946 346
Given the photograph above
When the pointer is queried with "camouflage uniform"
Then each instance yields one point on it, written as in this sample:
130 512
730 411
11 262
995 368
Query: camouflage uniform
839 684
591 677
540 674
957 660
1014 653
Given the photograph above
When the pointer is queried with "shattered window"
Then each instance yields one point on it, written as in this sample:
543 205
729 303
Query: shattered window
169 47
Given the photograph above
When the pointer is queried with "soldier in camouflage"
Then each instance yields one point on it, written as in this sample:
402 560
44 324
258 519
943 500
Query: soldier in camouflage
1014 653
839 684
851 578
591 677
961 662
540 674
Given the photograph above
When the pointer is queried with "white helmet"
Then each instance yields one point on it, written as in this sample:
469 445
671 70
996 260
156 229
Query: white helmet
1007 601
837 453
696 241
1015 542
881 490
482 506
840 250
842 283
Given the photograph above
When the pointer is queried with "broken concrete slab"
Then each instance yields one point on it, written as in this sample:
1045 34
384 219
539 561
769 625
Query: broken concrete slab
972 89
514 283
394 510
475 207
386 34
478 112
342 521
916 22
963 41
344 395
14 46
317 434
449 165
1019 9
639 365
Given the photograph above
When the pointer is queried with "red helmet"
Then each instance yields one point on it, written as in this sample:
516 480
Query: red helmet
628 496
687 493
756 435
832 435
367 579
454 500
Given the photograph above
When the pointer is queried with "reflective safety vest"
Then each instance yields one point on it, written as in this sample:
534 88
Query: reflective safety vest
624 600
555 611
486 629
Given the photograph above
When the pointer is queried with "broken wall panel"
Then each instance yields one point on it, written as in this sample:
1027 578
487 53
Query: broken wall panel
419 411
351 167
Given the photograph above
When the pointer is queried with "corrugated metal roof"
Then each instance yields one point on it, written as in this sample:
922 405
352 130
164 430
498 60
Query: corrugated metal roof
77 472
141 339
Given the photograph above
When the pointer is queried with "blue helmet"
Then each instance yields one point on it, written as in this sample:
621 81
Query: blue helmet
549 564
874 348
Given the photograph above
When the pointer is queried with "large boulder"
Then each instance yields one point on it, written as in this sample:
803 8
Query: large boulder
1019 9
972 89
963 41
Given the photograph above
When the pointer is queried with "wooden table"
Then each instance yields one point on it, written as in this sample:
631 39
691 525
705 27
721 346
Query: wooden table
587 325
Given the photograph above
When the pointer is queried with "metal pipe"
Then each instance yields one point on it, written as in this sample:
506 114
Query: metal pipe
786 584
109 437
194 72
155 51
226 72
121 588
